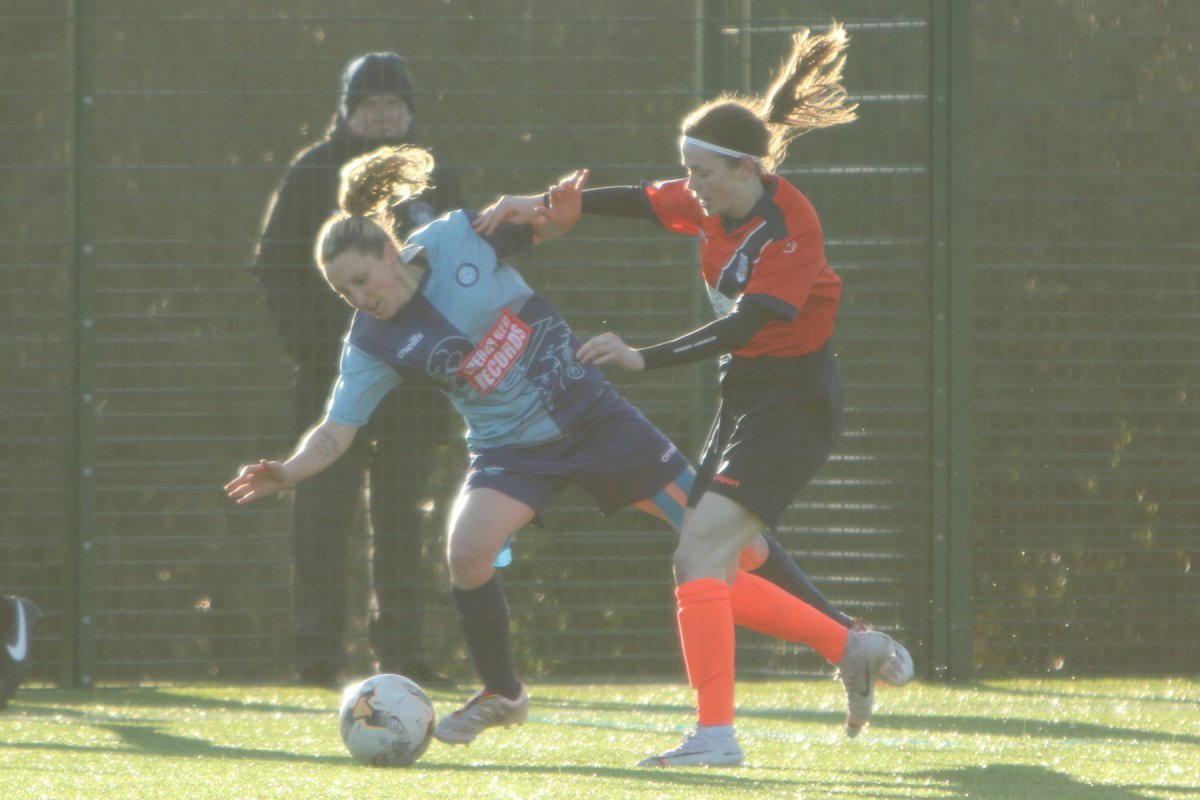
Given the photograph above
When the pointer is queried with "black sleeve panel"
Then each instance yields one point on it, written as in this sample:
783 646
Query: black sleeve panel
618 201
724 335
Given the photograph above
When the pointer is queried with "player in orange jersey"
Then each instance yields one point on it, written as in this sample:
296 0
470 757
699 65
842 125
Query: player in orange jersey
763 262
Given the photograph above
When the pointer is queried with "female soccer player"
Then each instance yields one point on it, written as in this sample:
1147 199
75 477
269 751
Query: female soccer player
443 308
763 262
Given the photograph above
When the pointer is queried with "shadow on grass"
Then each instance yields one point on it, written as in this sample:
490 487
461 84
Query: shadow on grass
1006 781
145 740
1047 689
1017 727
76 703
148 740
732 778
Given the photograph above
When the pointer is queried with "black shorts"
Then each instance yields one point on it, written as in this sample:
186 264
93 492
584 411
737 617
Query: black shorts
778 422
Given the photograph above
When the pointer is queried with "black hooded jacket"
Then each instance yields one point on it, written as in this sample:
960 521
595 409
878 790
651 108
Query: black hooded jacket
310 317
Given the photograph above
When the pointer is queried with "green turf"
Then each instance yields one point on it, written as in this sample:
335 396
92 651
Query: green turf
1032 740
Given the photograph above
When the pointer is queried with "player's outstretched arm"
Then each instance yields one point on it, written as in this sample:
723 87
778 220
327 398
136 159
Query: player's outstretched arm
319 448
565 206
608 348
517 209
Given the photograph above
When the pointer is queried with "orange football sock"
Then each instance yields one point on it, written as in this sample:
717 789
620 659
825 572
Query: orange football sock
762 606
706 634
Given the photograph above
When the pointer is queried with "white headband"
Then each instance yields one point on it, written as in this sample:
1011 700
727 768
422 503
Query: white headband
716 148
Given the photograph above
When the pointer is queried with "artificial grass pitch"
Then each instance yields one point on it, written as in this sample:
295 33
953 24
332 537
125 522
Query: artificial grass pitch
1052 739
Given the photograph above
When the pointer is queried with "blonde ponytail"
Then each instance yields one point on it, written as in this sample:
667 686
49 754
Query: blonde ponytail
370 185
806 95
375 181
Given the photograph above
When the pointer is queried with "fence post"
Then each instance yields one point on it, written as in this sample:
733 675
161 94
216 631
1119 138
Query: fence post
708 82
952 327
83 95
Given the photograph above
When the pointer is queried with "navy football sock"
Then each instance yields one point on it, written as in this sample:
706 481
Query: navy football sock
483 619
781 570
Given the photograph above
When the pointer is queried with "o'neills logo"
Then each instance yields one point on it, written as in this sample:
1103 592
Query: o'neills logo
486 365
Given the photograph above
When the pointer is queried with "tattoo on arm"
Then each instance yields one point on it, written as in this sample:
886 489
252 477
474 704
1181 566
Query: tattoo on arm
326 447
319 448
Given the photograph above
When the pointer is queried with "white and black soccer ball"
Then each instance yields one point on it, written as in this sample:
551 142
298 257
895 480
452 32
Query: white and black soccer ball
386 721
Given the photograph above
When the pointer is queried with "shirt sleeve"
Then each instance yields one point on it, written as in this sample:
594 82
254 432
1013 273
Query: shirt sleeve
674 206
785 274
616 201
724 335
363 382
283 258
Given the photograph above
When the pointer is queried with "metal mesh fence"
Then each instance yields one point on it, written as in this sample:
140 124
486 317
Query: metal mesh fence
1086 357
143 141
39 487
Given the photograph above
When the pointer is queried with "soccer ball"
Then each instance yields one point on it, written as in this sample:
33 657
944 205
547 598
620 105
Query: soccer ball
386 721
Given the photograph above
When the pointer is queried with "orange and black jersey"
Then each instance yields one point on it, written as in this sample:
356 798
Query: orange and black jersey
766 273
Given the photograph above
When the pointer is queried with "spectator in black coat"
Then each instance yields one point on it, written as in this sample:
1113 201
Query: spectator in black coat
377 106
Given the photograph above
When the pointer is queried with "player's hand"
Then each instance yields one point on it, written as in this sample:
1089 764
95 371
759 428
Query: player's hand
507 208
257 480
566 205
607 348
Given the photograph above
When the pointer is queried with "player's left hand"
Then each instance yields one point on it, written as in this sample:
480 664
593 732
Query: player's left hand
548 222
507 208
566 205
257 480
608 348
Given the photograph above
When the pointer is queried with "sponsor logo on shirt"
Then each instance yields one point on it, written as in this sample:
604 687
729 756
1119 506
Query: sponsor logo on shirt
485 366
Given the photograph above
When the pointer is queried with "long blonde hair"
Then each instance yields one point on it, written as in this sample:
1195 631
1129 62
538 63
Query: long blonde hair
806 95
370 185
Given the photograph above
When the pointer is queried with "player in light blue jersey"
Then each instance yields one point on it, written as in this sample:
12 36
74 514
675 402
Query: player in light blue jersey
443 307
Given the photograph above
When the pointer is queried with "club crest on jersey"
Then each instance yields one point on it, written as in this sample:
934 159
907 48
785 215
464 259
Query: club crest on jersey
467 274
501 347
743 268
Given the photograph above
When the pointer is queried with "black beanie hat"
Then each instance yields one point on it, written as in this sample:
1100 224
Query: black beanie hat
375 73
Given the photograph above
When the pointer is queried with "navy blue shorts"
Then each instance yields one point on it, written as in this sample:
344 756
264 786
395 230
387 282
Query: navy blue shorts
777 425
616 456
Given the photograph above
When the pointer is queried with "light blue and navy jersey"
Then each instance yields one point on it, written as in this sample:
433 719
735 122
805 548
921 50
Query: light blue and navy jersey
502 354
